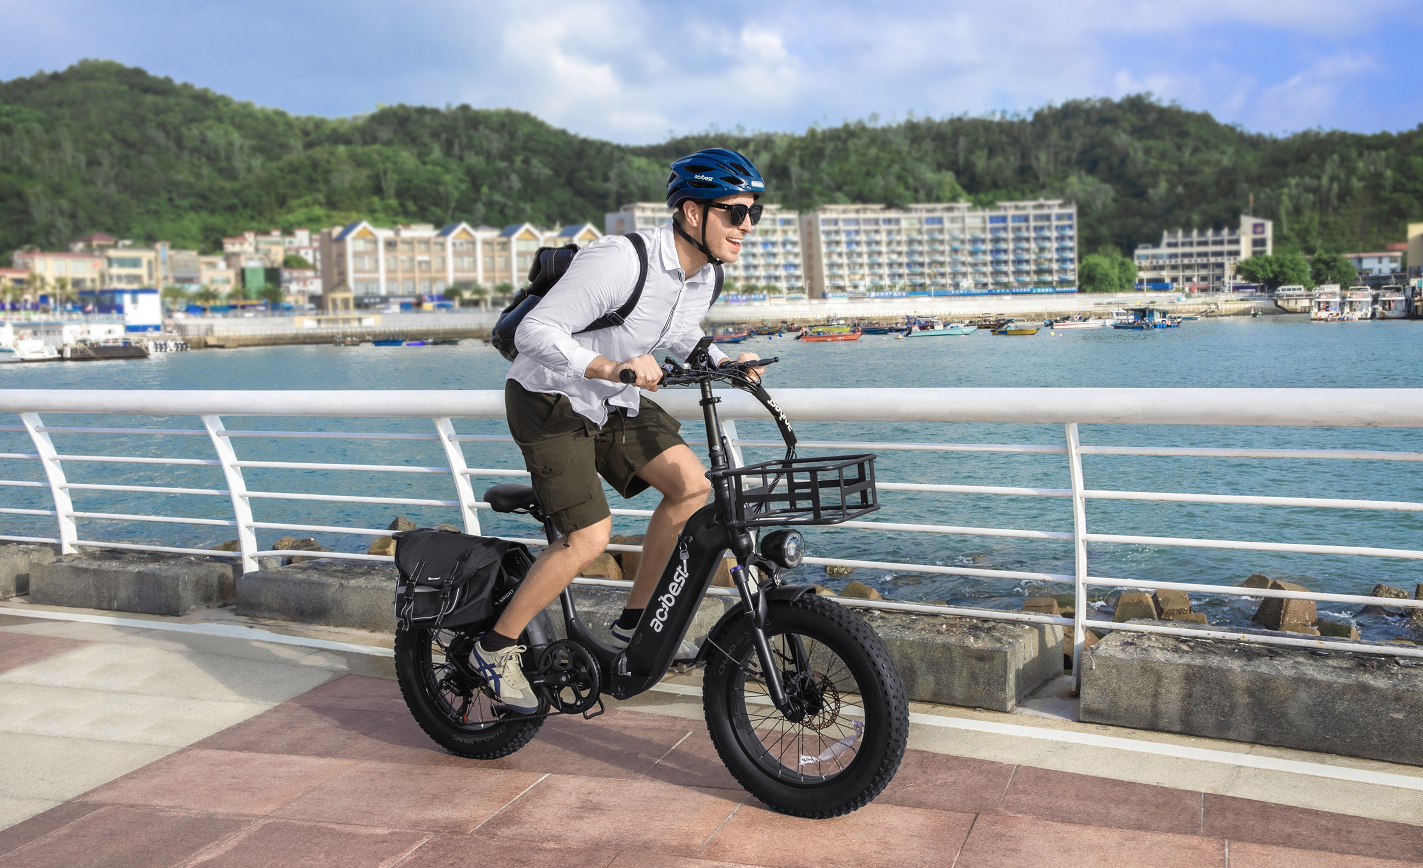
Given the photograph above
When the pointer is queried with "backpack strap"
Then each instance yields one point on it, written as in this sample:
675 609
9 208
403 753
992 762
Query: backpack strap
620 315
720 279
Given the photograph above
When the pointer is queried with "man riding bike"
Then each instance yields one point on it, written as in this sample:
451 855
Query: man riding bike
575 420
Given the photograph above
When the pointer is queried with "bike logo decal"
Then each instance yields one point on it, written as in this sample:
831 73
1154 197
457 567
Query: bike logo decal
778 413
679 581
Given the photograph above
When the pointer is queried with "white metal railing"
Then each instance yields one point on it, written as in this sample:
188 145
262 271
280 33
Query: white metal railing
1352 408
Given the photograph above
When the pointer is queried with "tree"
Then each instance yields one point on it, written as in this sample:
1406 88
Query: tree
503 291
174 297
480 293
1333 268
1099 272
1291 269
272 294
1259 268
207 296
239 292
291 260
453 294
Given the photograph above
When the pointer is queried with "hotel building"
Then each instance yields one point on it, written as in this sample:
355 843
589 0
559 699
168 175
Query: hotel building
373 266
770 258
1202 259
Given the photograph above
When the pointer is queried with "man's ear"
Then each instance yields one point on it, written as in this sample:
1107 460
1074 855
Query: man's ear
691 217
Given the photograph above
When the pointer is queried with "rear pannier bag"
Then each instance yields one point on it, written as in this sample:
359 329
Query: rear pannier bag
452 579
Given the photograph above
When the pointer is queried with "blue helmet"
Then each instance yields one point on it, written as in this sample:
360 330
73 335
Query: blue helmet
711 174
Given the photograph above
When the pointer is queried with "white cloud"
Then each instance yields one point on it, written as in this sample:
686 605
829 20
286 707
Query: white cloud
1310 97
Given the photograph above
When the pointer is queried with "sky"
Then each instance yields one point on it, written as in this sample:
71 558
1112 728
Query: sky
637 72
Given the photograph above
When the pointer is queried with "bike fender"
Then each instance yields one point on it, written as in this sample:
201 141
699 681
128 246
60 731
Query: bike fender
540 630
777 594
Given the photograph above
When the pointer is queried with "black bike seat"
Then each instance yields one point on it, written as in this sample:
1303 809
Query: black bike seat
510 497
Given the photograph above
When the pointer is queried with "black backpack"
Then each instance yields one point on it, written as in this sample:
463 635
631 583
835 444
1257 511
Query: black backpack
548 266
451 579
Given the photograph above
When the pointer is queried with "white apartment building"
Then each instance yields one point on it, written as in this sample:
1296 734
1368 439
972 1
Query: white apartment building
872 249
770 256
1376 264
374 265
1202 259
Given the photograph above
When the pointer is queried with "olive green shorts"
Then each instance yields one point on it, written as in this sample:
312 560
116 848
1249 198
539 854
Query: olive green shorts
566 452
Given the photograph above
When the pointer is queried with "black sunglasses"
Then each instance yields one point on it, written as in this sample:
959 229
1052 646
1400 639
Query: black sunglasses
739 212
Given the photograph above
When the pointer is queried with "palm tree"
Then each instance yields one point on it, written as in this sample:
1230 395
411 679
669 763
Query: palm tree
63 292
503 290
453 294
34 287
480 293
206 296
174 297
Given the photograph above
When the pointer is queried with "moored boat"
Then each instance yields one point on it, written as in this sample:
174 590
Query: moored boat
1327 305
1390 303
830 333
1077 322
937 328
1017 328
28 350
1358 304
732 336
388 342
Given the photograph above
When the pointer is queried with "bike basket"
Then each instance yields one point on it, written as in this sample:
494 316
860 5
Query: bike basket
827 490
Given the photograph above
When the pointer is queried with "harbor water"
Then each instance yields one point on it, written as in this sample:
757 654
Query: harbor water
1275 352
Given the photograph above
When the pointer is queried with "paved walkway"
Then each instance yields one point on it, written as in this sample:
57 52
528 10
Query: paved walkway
127 746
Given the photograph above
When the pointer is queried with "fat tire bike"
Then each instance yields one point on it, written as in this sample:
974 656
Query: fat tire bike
802 699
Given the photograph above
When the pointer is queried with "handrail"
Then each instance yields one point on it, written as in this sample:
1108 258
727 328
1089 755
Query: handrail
1072 408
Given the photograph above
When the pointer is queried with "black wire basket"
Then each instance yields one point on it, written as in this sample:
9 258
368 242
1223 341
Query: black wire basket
829 490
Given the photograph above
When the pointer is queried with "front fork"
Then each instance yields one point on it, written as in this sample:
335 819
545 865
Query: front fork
771 671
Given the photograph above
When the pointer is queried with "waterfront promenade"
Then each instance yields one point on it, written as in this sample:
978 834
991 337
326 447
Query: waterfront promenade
131 743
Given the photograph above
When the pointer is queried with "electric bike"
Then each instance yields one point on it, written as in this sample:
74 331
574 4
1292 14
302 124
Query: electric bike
802 699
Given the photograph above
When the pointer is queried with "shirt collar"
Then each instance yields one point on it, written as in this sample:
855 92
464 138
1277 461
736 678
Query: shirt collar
670 263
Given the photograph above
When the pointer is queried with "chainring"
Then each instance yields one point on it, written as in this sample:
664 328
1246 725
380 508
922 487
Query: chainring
569 677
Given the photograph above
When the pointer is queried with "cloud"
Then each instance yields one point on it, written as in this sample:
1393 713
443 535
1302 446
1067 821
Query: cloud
1311 96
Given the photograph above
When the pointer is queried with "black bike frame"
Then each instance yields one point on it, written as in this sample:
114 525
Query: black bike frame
684 582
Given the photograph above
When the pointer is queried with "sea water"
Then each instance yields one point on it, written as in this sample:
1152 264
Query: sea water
1276 351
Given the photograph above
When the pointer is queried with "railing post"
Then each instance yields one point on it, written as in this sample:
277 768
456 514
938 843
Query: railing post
54 472
728 430
237 489
1079 546
463 490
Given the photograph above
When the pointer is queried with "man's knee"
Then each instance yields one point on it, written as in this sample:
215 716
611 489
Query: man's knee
588 542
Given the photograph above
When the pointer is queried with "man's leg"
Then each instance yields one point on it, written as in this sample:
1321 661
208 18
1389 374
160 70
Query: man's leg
679 475
556 567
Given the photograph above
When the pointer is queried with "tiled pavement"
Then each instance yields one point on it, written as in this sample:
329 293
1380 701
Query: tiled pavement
339 774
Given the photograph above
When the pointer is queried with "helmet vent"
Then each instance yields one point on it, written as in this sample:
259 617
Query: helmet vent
738 168
698 168
672 177
701 185
737 181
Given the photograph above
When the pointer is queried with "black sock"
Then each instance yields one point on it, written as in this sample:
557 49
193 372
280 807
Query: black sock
493 641
629 618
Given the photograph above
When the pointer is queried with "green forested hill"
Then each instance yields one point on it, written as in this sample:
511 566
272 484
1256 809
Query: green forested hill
104 147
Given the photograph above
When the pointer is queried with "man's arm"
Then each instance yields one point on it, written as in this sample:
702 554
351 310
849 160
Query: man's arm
598 280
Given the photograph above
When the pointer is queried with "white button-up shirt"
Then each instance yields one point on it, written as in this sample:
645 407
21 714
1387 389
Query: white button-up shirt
600 279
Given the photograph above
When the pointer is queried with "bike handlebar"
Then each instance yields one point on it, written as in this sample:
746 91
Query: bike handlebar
674 374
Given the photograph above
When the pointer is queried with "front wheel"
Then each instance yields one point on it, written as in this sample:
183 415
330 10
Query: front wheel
841 743
448 699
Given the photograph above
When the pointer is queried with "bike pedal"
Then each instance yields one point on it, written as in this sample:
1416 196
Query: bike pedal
590 713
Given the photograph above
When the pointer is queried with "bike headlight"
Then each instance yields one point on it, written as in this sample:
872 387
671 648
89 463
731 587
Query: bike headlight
784 547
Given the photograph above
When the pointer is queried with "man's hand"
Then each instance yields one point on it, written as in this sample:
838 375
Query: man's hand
648 372
753 373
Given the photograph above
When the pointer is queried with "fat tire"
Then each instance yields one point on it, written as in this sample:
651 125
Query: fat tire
412 670
882 695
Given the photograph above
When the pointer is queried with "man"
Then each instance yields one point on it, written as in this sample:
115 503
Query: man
574 420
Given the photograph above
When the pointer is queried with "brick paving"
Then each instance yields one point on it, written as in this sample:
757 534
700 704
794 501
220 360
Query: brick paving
341 775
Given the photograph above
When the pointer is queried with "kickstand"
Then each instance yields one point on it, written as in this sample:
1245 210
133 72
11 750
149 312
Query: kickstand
590 713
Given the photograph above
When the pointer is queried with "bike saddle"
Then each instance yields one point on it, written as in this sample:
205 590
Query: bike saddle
510 497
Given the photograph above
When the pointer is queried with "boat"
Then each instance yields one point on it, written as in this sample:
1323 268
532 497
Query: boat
348 342
1077 322
1358 304
876 328
935 328
388 342
28 350
1144 318
444 342
1390 303
87 352
1326 306
830 333
1016 327
732 336
416 343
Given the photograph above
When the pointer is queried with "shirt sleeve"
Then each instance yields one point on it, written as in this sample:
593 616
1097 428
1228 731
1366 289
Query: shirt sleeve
599 279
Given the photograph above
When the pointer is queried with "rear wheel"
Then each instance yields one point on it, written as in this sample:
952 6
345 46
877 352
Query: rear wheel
448 698
842 741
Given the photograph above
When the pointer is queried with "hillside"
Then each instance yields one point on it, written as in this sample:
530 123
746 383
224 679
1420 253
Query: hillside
104 147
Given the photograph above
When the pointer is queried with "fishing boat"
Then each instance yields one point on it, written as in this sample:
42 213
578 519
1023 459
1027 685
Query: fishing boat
388 342
732 336
1391 304
1077 322
444 342
1015 327
830 333
1145 318
934 328
28 350
1326 306
1358 304
347 342
416 343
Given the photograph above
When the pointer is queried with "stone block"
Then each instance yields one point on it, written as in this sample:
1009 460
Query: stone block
1068 643
121 581
1257 580
1188 618
628 561
1170 603
603 567
722 579
1338 702
1388 592
382 545
838 572
333 593
1042 606
1278 613
16 561
824 591
1415 615
402 523
970 662
1337 629
1134 604
861 591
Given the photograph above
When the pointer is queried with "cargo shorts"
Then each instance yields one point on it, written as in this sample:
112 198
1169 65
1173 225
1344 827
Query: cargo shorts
566 452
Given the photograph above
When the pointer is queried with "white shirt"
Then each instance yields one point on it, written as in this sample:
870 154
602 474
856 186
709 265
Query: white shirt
667 319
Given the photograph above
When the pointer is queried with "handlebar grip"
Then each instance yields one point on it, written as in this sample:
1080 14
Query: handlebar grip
627 376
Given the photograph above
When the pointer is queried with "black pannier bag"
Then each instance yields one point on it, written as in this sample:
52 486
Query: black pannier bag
451 579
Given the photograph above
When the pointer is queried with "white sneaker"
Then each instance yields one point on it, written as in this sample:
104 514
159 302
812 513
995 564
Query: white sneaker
501 669
686 653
